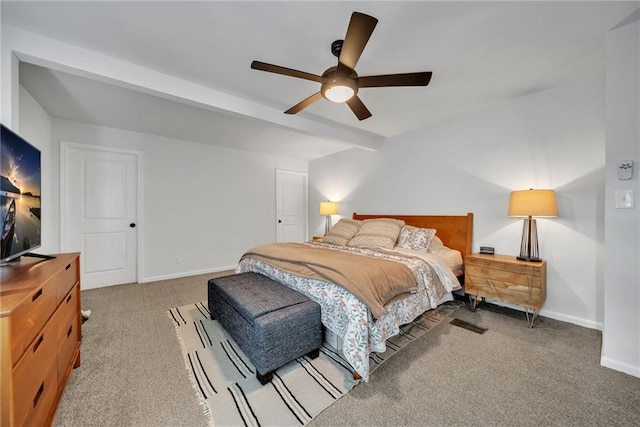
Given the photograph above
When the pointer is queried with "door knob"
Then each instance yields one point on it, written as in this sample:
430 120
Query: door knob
132 225
279 221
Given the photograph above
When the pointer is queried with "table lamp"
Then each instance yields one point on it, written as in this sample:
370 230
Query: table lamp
528 204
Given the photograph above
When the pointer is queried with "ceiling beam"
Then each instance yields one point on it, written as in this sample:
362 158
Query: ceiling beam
43 51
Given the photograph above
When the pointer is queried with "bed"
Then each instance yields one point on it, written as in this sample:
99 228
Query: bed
362 327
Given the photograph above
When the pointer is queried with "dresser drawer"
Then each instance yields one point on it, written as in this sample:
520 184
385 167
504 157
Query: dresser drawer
69 309
68 345
29 318
41 402
68 332
33 370
67 279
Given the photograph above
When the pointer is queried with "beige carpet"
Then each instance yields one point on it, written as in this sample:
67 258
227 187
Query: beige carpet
132 372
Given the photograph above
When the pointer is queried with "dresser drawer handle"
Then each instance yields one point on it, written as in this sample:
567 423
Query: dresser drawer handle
37 344
69 298
38 394
68 267
36 295
69 331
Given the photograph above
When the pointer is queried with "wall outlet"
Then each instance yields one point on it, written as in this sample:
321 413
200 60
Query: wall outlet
176 260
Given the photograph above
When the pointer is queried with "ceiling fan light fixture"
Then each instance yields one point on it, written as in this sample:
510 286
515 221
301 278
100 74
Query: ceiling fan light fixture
339 89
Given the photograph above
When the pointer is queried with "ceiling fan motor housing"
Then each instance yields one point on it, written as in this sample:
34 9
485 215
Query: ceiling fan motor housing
336 48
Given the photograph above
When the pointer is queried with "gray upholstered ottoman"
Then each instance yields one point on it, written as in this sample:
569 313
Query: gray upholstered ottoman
271 323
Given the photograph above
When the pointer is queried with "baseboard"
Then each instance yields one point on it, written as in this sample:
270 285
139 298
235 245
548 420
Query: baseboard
554 315
619 366
572 319
187 274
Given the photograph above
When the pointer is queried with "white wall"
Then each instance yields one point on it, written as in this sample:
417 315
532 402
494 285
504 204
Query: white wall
203 203
35 127
621 334
551 139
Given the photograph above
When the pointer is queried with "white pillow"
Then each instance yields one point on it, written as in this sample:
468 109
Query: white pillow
436 244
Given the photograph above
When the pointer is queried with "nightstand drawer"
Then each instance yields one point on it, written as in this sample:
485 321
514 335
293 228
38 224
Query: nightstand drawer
506 291
482 273
505 264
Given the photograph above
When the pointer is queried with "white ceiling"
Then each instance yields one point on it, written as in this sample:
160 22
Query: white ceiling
479 53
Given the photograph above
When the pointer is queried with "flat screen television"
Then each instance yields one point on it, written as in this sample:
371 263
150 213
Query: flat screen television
20 190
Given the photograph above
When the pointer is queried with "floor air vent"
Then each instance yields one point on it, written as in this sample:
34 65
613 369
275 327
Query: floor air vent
468 326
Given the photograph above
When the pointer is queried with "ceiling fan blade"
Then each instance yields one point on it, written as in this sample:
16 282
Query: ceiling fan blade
304 104
358 108
407 79
360 28
263 66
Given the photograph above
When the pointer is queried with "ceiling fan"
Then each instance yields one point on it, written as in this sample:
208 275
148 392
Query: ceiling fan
341 82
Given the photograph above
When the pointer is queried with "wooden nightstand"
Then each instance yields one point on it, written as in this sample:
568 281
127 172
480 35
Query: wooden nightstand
506 279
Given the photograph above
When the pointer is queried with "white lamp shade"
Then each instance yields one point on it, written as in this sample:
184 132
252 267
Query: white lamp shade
534 203
328 208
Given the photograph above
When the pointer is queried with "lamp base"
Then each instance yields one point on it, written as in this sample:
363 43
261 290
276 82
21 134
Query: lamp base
523 258
529 244
327 225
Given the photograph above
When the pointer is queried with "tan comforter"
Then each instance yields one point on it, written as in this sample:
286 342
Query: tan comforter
374 281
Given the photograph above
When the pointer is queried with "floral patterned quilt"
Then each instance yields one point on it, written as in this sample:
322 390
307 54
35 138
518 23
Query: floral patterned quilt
349 318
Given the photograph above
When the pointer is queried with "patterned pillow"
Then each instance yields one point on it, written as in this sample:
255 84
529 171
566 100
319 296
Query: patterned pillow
380 233
415 238
342 232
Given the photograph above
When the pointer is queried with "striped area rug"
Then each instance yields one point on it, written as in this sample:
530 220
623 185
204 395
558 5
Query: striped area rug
225 382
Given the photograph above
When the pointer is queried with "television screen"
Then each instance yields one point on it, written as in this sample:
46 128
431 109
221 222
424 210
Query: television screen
20 185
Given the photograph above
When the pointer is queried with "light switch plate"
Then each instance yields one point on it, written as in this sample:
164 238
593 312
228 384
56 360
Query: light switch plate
624 199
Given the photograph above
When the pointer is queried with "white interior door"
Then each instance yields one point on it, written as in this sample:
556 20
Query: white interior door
291 206
99 207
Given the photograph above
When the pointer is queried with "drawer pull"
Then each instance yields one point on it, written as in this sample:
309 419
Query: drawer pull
38 394
36 295
69 331
37 344
68 267
69 299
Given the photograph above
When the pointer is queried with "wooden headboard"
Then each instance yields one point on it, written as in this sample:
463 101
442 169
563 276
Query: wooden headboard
455 231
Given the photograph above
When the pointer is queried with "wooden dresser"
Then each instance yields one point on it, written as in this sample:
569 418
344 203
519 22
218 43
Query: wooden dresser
39 336
506 279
